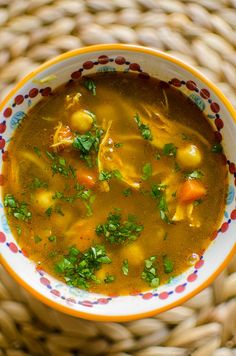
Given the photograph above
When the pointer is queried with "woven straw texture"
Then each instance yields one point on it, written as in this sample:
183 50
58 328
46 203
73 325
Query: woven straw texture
202 32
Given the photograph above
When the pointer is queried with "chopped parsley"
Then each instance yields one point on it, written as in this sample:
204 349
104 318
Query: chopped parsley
194 175
52 238
48 212
109 278
107 175
144 129
81 193
176 167
149 273
125 267
117 232
88 144
37 151
147 171
79 268
185 137
169 150
158 156
19 230
90 85
217 148
18 210
158 193
168 264
118 145
59 165
127 192
37 239
197 202
37 183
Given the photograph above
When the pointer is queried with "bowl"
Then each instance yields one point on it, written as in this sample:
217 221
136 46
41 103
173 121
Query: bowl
218 110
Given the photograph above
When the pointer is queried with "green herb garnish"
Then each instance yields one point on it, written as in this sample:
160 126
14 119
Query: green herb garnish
109 278
118 145
48 212
18 210
125 267
127 192
194 175
37 183
169 150
52 238
158 192
197 202
59 165
149 273
144 129
217 148
107 175
147 171
37 151
117 232
37 239
78 268
19 230
168 264
90 85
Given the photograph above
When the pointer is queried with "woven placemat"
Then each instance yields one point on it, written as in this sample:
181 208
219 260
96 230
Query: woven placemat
203 33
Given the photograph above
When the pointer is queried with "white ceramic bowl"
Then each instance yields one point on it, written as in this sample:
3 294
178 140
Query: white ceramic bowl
218 110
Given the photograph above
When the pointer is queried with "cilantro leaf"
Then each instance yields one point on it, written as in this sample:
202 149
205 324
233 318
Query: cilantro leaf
194 175
18 210
169 149
149 273
90 85
79 268
117 232
109 278
217 148
125 267
147 171
127 192
144 129
168 264
158 193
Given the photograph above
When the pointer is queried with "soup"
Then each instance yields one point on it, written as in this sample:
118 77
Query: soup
111 183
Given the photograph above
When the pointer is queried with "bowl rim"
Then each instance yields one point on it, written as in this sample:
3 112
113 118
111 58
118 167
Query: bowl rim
229 107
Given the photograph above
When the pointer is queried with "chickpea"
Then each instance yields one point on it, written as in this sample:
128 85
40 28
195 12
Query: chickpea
189 156
43 199
81 121
134 253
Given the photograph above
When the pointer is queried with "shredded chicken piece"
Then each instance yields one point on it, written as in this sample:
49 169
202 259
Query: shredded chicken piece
62 137
110 159
71 101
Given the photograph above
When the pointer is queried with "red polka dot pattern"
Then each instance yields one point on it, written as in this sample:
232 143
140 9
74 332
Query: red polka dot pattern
88 65
120 60
2 237
103 59
33 93
19 99
191 85
224 227
13 247
192 277
76 75
147 296
233 214
44 281
163 295
7 112
180 289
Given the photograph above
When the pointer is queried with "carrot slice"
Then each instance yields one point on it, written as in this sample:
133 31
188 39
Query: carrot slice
191 190
86 179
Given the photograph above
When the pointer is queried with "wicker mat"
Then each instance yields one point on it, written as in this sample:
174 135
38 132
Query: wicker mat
202 32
